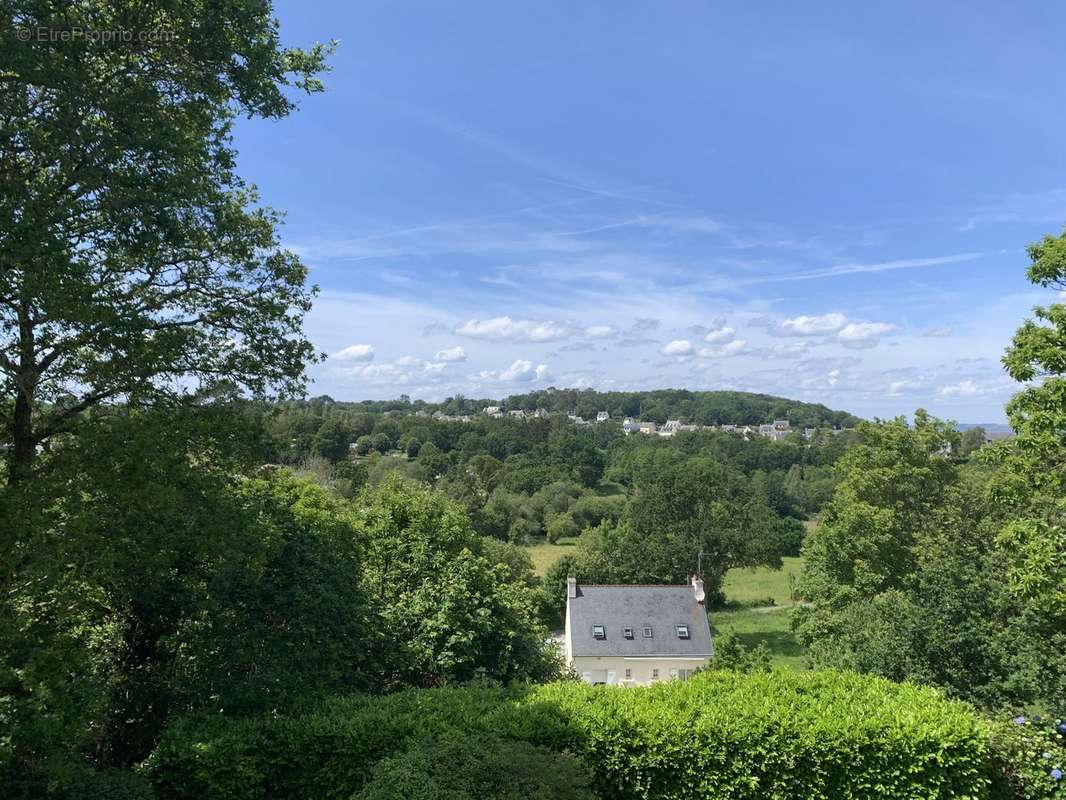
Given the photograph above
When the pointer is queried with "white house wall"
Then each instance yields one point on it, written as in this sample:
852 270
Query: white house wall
612 669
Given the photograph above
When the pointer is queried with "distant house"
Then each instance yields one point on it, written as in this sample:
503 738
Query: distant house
493 411
602 416
517 414
647 427
636 635
541 413
670 428
629 425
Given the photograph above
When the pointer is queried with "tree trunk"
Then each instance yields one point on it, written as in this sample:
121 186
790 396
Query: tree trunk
24 449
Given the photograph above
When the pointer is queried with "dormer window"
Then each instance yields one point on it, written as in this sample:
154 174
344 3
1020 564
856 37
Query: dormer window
647 631
598 632
682 632
627 633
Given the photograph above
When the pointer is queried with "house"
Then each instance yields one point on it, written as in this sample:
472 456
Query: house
517 414
630 426
670 428
602 416
493 411
636 635
646 427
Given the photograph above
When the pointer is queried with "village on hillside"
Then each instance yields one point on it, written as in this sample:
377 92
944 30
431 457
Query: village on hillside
777 430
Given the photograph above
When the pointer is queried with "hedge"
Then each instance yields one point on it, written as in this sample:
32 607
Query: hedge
720 735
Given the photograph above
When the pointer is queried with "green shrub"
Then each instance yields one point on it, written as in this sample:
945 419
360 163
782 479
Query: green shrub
1029 759
720 735
455 767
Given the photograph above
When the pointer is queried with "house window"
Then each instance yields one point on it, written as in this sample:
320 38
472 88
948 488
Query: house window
647 631
685 674
682 631
629 674
598 632
654 674
627 632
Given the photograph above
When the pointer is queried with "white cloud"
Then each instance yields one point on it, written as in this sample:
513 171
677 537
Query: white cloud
734 348
863 334
523 371
897 387
851 269
788 349
938 333
506 329
357 352
813 326
451 354
720 334
678 347
965 388
600 331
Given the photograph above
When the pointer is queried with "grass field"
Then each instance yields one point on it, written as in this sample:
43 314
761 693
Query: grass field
759 586
544 554
753 627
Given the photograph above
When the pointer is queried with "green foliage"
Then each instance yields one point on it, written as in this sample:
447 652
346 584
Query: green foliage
731 654
154 586
450 613
907 580
718 735
970 441
332 439
130 148
487 768
152 575
1029 759
561 525
693 506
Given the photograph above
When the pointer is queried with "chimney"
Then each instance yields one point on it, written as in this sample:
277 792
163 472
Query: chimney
697 588
571 587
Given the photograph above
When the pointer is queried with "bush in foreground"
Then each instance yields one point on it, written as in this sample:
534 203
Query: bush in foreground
720 735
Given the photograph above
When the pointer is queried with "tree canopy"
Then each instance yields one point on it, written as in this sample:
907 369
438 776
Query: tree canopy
135 263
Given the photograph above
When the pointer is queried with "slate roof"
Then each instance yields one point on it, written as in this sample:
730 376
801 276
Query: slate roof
616 607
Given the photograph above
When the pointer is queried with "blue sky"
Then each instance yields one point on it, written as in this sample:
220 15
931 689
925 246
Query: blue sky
827 201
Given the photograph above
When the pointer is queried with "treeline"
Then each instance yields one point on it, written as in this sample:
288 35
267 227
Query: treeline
659 405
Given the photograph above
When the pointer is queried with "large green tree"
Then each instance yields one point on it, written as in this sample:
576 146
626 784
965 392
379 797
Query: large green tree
452 611
157 579
690 507
135 264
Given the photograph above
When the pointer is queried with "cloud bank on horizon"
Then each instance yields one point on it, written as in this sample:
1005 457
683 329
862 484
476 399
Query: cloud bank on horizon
726 212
